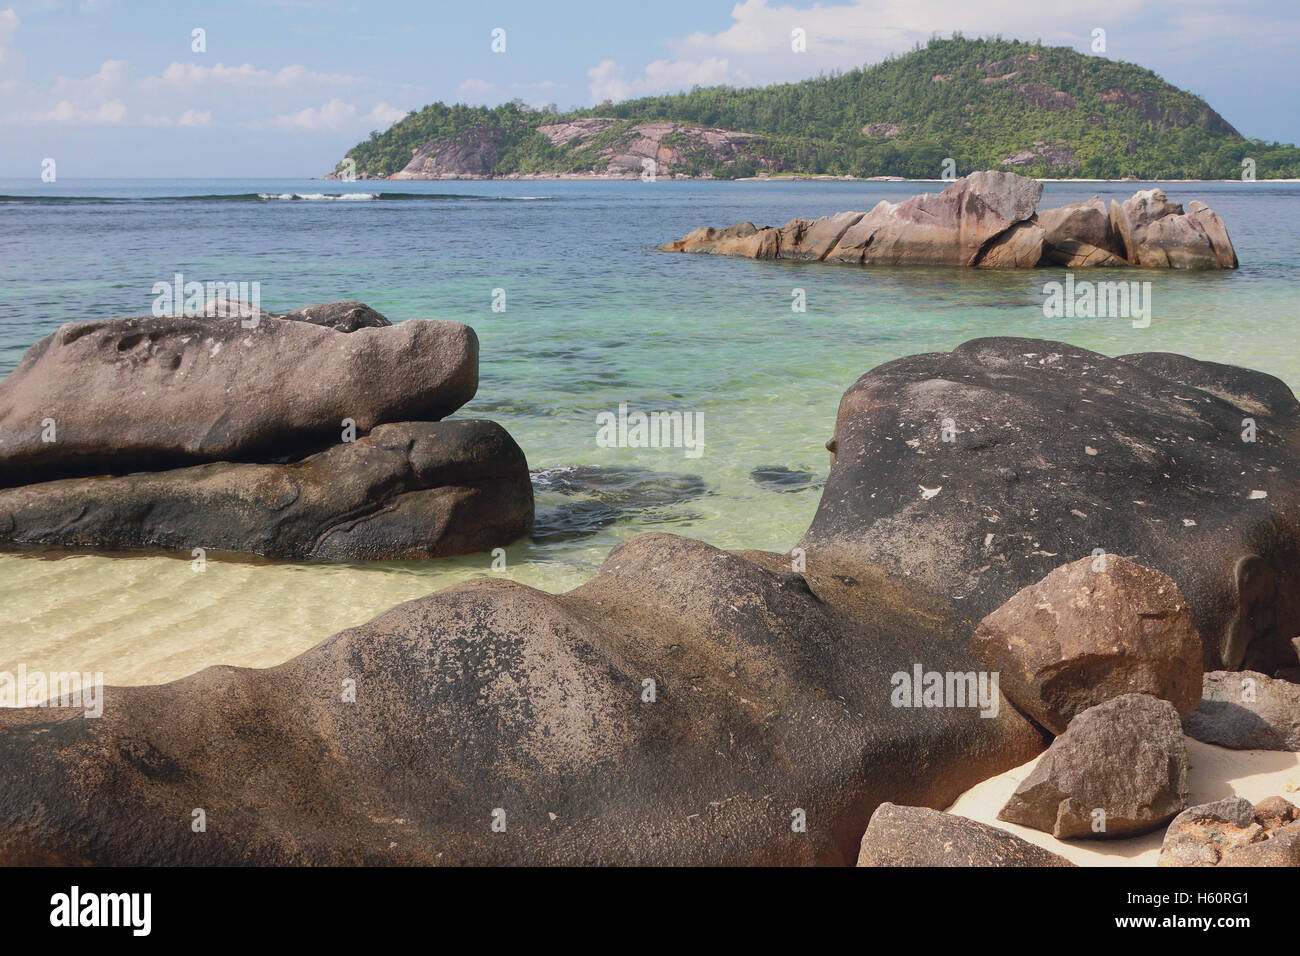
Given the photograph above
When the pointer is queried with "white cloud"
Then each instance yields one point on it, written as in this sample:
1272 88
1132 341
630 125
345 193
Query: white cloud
334 115
192 76
756 48
609 80
476 91
9 24
111 77
384 116
184 95
110 113
865 31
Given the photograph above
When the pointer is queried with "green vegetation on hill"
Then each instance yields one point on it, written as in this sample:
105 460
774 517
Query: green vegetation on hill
1051 111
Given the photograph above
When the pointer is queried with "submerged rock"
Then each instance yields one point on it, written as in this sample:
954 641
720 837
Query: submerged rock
582 500
917 836
1089 631
988 219
1119 770
781 478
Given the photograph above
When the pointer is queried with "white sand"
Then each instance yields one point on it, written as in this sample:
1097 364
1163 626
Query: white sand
1215 773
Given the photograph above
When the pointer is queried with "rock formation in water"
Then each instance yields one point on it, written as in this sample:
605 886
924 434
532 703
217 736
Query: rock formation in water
693 705
315 434
988 220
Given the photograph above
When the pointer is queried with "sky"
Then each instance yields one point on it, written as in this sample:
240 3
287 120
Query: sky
282 88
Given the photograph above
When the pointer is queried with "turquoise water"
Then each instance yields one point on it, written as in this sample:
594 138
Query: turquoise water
594 317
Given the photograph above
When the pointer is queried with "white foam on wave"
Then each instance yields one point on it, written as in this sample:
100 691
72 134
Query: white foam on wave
347 197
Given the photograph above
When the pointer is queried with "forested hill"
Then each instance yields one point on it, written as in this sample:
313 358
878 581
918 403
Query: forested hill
987 104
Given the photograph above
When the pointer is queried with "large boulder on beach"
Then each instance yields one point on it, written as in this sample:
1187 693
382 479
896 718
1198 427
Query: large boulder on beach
918 836
687 705
976 472
1232 833
150 393
1247 711
1119 770
405 491
1092 630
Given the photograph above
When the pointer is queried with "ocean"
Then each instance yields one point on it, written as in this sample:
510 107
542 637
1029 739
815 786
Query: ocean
589 316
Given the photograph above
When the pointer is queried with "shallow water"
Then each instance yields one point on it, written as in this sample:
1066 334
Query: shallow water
594 318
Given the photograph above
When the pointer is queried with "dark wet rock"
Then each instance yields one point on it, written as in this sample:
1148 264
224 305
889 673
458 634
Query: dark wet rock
1141 456
344 316
150 393
490 700
917 836
988 219
781 478
1120 769
1089 631
1233 833
1247 711
582 500
414 490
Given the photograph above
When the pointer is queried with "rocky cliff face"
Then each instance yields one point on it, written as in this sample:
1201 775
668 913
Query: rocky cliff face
661 148
598 147
472 155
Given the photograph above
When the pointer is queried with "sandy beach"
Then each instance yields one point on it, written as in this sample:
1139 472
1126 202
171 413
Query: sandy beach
1216 773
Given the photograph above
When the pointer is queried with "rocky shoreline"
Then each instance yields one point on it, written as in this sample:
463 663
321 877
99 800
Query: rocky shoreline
1023 548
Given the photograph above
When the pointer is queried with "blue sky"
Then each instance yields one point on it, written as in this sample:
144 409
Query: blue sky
114 88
